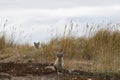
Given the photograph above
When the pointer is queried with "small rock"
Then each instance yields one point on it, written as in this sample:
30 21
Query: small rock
70 71
37 68
24 56
75 78
50 67
5 75
12 70
89 79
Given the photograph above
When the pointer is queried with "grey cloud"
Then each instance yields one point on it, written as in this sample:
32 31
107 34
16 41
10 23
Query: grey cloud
55 3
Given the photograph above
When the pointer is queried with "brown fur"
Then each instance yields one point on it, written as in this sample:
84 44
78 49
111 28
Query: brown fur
58 65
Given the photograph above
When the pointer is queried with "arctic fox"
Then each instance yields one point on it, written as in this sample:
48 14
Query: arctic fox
59 64
36 44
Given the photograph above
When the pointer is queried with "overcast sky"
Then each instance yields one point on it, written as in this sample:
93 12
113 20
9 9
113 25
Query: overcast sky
54 4
37 16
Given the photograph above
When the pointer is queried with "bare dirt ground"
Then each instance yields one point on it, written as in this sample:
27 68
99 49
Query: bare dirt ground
40 71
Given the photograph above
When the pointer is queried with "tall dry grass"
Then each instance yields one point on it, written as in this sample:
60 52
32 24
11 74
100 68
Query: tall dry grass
10 47
98 50
101 49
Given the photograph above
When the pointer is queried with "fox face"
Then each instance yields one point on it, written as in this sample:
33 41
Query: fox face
36 45
59 55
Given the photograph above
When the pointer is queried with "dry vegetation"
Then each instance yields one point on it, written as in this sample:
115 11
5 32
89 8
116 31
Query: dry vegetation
99 52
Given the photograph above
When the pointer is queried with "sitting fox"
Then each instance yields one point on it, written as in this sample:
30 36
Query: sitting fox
58 65
36 45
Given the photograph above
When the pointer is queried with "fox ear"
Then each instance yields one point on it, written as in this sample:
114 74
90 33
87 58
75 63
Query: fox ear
34 43
38 42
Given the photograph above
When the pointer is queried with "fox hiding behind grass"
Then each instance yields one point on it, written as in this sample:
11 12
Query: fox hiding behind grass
36 44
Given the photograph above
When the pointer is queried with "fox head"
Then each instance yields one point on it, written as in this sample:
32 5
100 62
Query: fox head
36 44
59 55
